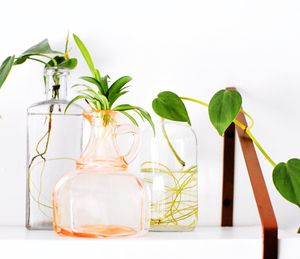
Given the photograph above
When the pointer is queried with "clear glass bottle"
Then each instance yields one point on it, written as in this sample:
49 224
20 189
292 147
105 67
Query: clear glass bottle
169 167
54 142
102 199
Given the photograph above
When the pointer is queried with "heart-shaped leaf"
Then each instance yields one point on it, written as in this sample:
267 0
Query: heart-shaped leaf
70 63
223 109
59 60
42 47
168 105
5 68
286 178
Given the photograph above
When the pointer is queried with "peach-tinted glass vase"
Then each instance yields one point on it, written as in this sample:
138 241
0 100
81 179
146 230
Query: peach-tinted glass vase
102 199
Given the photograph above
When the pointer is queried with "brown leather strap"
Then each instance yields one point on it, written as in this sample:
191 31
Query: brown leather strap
228 176
263 202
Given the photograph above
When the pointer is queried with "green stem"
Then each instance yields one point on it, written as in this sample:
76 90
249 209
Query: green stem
243 127
255 141
38 60
46 56
171 146
298 230
194 100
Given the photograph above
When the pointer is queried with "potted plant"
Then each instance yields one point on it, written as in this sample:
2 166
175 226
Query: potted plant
223 109
107 200
50 151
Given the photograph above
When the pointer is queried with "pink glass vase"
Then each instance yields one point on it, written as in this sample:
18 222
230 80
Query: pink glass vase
102 199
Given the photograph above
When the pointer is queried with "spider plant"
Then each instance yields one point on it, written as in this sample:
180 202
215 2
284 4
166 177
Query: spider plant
100 94
223 109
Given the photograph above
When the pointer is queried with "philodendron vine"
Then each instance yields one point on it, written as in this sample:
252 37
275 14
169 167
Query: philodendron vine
178 207
223 109
100 95
42 53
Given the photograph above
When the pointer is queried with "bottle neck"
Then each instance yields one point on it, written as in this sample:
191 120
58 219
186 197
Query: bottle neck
56 80
102 151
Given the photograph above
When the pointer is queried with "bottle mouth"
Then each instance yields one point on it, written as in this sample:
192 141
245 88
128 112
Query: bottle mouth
106 116
50 71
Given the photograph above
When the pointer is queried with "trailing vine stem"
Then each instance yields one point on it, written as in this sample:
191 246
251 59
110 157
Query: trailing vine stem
241 126
170 144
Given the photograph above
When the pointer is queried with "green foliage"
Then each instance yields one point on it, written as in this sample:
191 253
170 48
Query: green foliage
223 109
42 47
100 94
41 52
85 53
168 105
61 61
5 68
286 178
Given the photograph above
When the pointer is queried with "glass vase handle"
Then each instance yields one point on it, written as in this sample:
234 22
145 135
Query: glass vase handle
125 129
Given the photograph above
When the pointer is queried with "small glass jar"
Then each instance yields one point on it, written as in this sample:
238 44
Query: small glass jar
54 142
102 199
169 167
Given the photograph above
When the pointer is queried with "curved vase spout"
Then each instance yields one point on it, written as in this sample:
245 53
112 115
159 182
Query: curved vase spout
102 150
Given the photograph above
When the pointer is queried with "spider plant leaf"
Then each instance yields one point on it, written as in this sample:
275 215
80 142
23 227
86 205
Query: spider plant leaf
130 117
223 109
97 75
42 47
286 178
104 81
104 101
94 81
144 113
99 100
123 107
117 86
5 68
115 97
75 99
168 105
86 55
147 116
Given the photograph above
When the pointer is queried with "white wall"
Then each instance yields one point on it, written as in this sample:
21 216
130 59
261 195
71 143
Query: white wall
191 47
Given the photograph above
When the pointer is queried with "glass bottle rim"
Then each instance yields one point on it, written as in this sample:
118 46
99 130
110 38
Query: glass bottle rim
50 71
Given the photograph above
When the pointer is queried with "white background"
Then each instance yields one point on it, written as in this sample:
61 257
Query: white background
191 47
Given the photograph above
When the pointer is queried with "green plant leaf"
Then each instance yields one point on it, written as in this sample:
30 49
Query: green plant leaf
94 81
58 59
168 105
223 109
67 42
286 178
85 53
70 63
20 60
123 107
130 118
75 99
144 113
117 87
115 97
104 81
147 116
5 68
42 47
